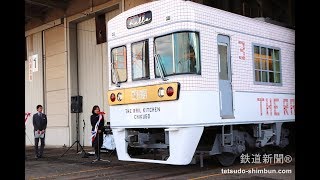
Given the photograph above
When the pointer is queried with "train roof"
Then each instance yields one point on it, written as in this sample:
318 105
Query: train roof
187 11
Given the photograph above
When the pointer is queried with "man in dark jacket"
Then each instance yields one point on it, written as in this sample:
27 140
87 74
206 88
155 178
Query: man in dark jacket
40 125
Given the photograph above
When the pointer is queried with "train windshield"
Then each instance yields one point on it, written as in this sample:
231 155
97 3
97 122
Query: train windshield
140 60
178 53
119 64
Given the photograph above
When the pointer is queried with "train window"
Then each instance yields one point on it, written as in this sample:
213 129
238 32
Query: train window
163 47
140 60
119 63
179 53
267 65
223 55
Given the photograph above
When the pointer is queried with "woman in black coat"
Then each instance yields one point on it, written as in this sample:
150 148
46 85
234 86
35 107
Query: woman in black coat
98 140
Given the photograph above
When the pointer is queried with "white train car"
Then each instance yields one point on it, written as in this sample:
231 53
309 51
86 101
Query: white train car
189 79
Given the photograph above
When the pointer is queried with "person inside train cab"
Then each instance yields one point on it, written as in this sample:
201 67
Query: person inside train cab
192 59
187 62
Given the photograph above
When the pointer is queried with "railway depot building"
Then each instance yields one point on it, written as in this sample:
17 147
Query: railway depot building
67 57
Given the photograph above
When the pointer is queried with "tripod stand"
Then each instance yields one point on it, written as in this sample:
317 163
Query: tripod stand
77 141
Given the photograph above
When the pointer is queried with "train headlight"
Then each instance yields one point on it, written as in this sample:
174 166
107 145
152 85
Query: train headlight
112 97
161 92
170 91
119 96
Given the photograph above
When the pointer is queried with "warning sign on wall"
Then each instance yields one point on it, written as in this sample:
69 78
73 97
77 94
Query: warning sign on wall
33 66
35 63
30 69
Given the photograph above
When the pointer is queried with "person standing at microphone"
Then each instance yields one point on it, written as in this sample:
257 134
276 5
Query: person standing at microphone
40 125
98 140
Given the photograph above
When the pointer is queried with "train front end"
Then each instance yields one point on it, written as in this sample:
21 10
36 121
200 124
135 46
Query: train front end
155 72
152 124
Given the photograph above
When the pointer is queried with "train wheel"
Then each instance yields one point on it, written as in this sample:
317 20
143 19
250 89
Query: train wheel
226 159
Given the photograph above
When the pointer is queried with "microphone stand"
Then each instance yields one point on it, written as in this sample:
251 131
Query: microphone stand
85 155
84 124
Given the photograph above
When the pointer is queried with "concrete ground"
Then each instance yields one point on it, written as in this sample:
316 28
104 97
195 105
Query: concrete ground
74 166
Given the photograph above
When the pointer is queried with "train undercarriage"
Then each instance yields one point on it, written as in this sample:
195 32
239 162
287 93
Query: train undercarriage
226 142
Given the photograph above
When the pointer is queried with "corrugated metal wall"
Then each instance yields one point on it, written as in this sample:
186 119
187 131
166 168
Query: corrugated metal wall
90 74
33 89
93 76
57 108
53 95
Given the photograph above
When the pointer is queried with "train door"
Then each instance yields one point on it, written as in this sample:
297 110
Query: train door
225 88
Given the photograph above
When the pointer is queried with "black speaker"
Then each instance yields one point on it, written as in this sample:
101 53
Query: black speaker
76 104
